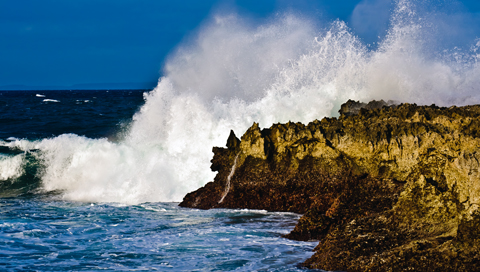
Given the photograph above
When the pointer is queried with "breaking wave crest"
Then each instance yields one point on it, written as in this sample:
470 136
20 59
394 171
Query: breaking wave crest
234 73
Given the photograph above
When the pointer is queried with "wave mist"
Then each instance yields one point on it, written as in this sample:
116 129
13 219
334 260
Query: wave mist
233 73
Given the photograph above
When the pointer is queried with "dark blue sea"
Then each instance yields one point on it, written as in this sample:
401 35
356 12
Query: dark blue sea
90 180
60 213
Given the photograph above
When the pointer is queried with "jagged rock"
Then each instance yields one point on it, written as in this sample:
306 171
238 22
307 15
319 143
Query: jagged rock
352 107
384 188
233 143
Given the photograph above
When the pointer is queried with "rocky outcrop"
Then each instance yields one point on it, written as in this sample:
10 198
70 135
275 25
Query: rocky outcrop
383 188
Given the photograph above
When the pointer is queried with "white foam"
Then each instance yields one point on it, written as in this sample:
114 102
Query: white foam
11 167
100 171
50 100
40 95
235 73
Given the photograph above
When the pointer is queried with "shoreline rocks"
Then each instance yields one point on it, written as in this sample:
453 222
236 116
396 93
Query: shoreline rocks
383 187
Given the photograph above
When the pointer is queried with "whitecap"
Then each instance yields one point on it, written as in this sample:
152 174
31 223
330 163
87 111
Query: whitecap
234 73
11 167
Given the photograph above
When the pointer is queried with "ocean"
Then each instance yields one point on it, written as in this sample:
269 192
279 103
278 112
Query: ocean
89 180
41 230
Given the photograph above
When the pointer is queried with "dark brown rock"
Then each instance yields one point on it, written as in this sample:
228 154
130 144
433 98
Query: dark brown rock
352 107
233 143
384 188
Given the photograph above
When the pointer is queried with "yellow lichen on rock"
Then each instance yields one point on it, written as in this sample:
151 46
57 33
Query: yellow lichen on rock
252 143
381 186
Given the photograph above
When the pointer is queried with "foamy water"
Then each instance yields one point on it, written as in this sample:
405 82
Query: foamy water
235 73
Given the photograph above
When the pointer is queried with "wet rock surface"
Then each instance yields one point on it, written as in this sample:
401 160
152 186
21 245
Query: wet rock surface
383 187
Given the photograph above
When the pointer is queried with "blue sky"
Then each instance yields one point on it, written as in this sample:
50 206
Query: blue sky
114 43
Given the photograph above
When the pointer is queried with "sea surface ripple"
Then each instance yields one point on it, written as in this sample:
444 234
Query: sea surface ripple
44 234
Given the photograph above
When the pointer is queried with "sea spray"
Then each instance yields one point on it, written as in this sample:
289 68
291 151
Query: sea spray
11 167
234 73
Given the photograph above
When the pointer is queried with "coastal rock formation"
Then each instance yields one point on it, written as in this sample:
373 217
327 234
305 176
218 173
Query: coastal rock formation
382 187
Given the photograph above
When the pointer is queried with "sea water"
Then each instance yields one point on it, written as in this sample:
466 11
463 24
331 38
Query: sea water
75 164
42 231
43 234
231 74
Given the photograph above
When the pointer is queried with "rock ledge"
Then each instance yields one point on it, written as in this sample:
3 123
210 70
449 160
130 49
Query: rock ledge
383 187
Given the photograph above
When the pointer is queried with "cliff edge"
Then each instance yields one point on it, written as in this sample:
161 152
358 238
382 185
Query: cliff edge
383 187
